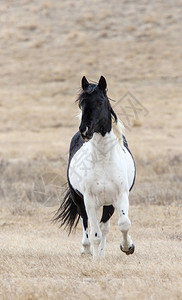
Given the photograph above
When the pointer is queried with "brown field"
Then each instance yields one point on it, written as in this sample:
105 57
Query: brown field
46 47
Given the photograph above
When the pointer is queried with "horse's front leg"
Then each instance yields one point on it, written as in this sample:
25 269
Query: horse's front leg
104 226
122 207
105 229
95 232
85 239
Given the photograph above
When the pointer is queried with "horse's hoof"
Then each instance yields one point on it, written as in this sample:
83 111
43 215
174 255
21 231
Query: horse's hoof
86 251
130 250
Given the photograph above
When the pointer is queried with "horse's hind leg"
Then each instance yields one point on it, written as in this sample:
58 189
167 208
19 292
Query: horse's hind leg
122 207
104 226
85 239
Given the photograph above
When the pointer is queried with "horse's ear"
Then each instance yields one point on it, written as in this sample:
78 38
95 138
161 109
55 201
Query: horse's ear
102 83
85 83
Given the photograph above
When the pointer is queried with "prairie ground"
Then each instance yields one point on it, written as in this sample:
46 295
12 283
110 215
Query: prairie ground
46 47
38 261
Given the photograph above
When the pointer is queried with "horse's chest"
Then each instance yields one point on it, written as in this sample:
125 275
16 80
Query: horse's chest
105 182
98 176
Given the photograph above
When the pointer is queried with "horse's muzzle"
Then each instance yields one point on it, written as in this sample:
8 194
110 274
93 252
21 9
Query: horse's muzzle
86 134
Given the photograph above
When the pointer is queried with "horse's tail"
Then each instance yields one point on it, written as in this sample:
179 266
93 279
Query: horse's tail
67 214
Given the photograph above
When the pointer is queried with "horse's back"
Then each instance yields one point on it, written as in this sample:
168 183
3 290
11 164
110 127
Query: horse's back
131 170
132 164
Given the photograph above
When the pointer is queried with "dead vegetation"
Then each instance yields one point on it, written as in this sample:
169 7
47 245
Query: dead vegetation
39 261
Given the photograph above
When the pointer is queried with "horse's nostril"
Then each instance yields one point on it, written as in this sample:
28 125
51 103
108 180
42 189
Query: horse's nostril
85 132
83 129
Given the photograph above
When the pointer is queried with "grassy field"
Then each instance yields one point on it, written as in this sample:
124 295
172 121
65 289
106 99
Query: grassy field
38 261
46 47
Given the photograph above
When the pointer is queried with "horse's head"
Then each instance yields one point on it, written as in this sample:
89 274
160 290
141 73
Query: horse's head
96 109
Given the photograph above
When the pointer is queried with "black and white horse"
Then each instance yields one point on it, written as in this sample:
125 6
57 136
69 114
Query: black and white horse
101 172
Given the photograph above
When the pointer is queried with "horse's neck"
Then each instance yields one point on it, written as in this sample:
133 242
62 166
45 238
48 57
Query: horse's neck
104 146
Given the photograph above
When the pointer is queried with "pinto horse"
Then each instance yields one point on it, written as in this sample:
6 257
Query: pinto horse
101 172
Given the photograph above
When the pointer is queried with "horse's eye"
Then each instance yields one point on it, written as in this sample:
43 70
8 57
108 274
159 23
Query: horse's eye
100 103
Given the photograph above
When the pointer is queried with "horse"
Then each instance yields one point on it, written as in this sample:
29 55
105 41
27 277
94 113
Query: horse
101 172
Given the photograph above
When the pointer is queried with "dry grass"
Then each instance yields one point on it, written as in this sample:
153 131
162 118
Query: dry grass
46 47
39 261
